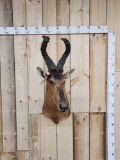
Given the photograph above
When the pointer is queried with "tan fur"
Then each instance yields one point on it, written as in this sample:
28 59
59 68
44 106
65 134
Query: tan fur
52 101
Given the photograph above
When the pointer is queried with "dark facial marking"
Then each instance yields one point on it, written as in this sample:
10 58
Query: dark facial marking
61 95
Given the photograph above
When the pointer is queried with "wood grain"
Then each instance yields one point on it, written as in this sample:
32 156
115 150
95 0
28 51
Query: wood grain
79 12
22 155
98 79
34 136
113 16
79 15
64 143
48 128
113 22
97 136
117 111
7 156
35 90
65 139
80 61
21 77
1 130
98 72
7 80
48 139
81 136
98 12
21 92
98 58
1 127
8 94
19 15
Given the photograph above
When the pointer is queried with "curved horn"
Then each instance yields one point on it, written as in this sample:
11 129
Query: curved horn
50 64
65 54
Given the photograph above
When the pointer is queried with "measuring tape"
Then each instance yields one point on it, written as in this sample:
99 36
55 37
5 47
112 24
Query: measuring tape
110 95
111 63
53 30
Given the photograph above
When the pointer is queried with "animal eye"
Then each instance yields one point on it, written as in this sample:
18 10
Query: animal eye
51 82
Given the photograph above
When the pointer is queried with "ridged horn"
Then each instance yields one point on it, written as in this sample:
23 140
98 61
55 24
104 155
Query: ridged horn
65 54
50 64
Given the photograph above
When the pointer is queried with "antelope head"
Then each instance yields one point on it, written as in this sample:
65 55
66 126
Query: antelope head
56 105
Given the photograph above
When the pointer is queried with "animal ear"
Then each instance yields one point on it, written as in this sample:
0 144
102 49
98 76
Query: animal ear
66 75
42 72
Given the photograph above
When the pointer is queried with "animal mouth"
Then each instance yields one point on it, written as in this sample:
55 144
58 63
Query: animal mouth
63 108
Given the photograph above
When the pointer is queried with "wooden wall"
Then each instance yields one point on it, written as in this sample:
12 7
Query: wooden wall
25 134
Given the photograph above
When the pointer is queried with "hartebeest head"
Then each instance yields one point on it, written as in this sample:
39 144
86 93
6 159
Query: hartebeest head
56 105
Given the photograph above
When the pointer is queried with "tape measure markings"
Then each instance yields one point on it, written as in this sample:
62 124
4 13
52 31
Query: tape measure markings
110 96
53 30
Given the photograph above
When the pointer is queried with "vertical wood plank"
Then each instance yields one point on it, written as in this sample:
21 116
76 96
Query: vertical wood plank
98 58
7 80
1 126
80 57
113 16
65 139
64 143
5 20
48 128
112 9
34 136
1 130
21 77
97 136
21 92
48 139
35 89
80 61
117 117
79 15
97 12
98 72
81 134
34 18
8 94
6 13
79 12
19 15
98 78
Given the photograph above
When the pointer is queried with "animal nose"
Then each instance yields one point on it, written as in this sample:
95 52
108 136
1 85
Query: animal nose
63 108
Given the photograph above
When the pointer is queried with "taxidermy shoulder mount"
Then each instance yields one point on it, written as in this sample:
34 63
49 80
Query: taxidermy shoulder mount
56 105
